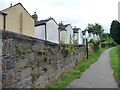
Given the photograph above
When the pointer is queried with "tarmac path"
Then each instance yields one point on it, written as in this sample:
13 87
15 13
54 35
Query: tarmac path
99 75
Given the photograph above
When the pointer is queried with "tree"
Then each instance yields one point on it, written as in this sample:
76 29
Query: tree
90 28
98 29
115 31
107 40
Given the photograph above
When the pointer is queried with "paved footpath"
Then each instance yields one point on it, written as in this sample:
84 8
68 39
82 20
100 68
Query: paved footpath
99 75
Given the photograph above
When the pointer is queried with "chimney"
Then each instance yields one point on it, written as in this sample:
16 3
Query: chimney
61 23
75 26
50 17
10 4
35 17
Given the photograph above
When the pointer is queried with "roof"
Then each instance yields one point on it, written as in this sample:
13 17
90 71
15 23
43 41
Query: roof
16 5
83 32
3 13
66 25
43 22
75 30
63 27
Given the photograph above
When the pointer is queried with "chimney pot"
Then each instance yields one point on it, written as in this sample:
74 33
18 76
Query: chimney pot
35 17
10 4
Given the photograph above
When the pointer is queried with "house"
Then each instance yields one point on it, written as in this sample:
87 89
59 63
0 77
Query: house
95 36
66 33
78 35
47 30
62 33
84 36
87 34
69 29
98 37
91 36
81 39
17 19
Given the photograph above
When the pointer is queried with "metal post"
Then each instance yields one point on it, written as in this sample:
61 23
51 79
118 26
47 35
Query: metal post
87 47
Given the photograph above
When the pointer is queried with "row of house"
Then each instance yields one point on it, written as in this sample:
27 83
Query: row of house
17 19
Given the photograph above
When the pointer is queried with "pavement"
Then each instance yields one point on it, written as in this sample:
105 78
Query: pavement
99 75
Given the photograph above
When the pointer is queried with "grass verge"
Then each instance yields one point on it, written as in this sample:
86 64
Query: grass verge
66 78
114 63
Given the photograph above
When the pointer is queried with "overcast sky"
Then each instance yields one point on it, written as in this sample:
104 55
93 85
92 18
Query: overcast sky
76 12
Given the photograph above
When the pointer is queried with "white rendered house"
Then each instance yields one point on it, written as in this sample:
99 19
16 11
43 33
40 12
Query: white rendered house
91 36
62 33
66 32
78 35
81 40
84 37
87 34
69 29
98 37
47 30
95 36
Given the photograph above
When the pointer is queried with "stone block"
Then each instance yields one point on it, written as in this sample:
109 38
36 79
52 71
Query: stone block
26 77
51 74
26 83
42 81
10 65
21 63
10 79
26 73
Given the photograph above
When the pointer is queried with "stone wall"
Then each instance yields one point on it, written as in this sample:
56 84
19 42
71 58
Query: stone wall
0 60
33 63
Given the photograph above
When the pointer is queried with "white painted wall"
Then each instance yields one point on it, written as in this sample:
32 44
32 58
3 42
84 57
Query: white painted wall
90 36
80 37
69 33
76 36
98 38
87 34
95 37
52 32
40 32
